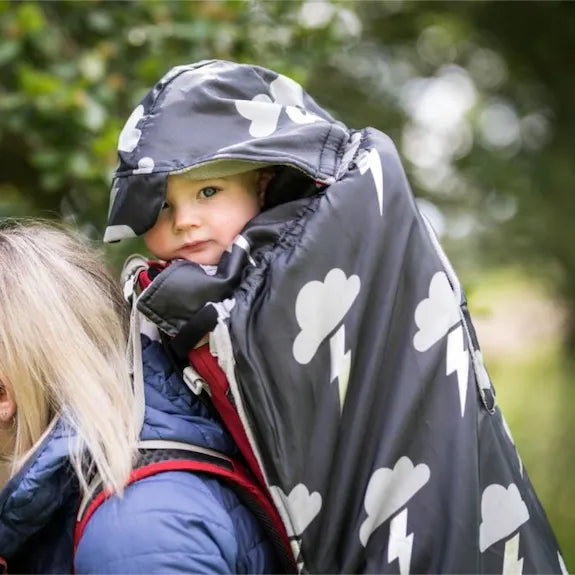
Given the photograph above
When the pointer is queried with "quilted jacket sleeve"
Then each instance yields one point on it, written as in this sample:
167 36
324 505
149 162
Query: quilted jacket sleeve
174 522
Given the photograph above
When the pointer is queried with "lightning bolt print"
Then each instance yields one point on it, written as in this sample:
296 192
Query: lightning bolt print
458 361
296 550
400 544
512 565
241 242
340 363
371 161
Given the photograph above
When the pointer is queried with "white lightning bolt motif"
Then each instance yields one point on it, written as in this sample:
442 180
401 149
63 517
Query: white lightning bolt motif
400 544
241 242
340 363
371 161
296 550
458 360
512 565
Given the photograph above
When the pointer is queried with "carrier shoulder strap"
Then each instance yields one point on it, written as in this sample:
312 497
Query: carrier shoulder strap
156 459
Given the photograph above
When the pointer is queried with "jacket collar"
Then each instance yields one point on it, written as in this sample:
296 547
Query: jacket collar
38 491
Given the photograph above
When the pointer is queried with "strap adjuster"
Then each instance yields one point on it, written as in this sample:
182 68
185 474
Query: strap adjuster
196 384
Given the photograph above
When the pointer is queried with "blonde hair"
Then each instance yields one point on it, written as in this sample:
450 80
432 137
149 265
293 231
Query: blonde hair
63 348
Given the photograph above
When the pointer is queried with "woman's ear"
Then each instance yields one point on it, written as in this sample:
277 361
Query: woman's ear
7 402
265 176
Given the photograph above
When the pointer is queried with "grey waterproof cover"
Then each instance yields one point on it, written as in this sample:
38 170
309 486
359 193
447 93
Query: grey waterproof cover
344 333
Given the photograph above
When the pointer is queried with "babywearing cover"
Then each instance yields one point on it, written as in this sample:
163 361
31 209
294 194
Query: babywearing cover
343 331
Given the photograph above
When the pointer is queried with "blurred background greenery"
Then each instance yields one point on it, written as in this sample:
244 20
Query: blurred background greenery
478 96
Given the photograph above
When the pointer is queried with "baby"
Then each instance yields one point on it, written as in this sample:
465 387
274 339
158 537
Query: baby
200 218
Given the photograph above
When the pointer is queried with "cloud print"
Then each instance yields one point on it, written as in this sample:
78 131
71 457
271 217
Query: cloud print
130 135
435 314
290 94
303 506
502 512
263 113
319 308
389 490
286 91
145 166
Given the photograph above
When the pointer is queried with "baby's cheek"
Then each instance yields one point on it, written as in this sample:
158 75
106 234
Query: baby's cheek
156 238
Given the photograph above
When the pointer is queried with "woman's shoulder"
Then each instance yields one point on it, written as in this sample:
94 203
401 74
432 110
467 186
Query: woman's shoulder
175 517
166 500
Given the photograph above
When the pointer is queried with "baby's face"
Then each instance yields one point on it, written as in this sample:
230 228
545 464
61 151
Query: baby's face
201 218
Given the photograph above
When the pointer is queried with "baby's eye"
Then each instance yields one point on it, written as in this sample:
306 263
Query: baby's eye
208 192
165 206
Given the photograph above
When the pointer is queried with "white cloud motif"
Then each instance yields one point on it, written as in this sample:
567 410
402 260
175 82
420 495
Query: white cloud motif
303 506
130 135
286 91
145 166
263 114
300 116
289 93
319 308
502 512
388 490
435 315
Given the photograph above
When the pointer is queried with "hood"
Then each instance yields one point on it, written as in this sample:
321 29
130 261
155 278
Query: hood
38 492
209 112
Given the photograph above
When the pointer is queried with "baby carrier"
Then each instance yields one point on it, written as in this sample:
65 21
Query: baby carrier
159 455
343 334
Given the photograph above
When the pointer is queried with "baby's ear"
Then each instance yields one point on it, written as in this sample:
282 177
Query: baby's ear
265 176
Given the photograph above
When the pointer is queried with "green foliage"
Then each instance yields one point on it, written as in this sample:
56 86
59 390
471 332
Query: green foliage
71 72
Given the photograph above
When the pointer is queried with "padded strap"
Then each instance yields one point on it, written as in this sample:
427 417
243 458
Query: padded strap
230 471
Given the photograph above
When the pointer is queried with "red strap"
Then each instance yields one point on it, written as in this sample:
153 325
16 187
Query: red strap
207 367
153 469
144 279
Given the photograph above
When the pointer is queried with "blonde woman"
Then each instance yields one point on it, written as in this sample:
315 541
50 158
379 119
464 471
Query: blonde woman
67 415
65 391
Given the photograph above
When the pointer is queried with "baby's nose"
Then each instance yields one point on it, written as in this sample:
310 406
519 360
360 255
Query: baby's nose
185 218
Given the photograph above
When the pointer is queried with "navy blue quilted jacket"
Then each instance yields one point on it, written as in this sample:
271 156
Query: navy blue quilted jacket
170 522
